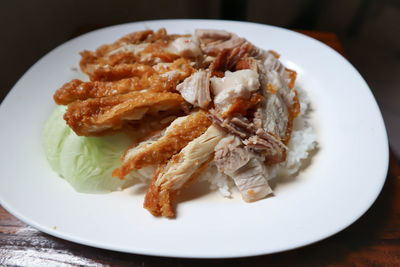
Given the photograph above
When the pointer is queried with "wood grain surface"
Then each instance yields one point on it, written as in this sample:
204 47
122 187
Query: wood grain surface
374 240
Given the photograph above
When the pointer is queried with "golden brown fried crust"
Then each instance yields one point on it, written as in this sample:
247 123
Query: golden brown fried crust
121 71
144 77
164 148
151 200
97 116
89 57
155 52
158 199
227 59
78 90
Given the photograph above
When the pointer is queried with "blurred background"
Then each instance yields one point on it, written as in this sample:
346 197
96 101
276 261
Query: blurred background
369 31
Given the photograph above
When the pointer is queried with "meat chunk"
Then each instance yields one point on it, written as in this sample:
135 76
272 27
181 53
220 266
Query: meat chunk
162 146
161 77
180 171
186 47
262 142
276 84
78 90
227 59
245 167
238 84
99 116
280 106
146 47
196 89
214 41
272 63
121 71
275 115
236 92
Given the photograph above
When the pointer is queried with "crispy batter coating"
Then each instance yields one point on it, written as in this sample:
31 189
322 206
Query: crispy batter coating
78 90
121 71
177 135
227 59
146 47
163 77
158 199
99 116
180 171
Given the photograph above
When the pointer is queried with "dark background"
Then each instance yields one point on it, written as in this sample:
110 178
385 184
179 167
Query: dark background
368 29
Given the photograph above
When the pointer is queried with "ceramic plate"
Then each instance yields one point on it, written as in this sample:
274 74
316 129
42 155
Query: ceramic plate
341 183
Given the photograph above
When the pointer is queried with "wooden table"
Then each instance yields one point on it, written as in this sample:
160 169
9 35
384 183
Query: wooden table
374 240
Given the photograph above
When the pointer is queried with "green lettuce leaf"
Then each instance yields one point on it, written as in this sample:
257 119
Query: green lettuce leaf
85 162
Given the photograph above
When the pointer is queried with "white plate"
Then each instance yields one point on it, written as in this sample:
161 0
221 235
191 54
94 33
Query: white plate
344 179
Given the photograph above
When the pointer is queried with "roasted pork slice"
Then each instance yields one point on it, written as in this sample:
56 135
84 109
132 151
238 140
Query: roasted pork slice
180 171
277 85
186 47
274 115
196 89
228 59
280 105
161 147
99 116
245 167
266 144
241 84
214 41
248 63
272 63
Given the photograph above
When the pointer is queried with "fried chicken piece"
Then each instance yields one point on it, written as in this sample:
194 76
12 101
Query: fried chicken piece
162 146
121 71
180 171
99 116
78 90
161 77
144 47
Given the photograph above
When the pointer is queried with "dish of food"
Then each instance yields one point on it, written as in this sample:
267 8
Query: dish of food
187 104
221 136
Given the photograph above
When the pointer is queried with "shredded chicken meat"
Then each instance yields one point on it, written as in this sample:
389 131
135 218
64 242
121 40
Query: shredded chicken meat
211 96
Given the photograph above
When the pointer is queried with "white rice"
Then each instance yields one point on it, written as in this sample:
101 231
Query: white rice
302 142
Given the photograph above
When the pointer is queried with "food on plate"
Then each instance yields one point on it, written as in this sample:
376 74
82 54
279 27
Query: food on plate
160 147
182 169
99 116
172 109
